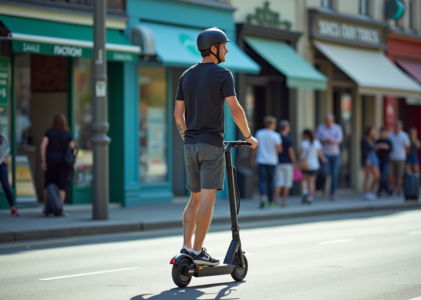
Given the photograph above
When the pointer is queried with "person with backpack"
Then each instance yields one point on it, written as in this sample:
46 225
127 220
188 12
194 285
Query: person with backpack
310 152
54 146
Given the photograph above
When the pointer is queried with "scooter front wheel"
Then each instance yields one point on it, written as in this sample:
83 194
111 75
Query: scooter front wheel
179 274
239 273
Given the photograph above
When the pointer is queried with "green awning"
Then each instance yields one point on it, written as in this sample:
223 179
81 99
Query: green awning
299 73
63 39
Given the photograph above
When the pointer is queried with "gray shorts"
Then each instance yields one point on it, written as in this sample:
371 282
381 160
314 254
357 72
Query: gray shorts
205 167
397 168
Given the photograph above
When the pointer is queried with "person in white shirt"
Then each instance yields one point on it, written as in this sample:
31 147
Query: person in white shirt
265 157
310 150
400 147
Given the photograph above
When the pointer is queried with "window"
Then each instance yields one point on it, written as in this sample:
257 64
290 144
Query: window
411 15
328 4
365 8
82 119
152 124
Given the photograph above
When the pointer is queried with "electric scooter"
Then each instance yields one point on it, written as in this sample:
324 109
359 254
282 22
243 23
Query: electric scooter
235 262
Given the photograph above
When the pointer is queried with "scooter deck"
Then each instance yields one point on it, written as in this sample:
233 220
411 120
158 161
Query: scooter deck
202 271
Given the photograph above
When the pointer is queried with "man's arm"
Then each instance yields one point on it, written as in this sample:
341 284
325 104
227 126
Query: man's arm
179 117
239 117
291 153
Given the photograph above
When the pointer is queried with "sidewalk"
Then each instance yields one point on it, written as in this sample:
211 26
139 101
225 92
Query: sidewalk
32 224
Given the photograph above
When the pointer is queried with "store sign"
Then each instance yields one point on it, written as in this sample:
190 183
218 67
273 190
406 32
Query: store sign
265 16
70 51
51 49
390 112
189 43
345 29
4 80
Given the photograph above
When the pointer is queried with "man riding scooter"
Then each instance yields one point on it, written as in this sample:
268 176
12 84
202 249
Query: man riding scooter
199 115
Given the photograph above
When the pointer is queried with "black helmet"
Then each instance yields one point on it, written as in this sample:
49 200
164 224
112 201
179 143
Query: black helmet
207 37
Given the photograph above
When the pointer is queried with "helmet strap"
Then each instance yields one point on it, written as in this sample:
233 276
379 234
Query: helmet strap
217 53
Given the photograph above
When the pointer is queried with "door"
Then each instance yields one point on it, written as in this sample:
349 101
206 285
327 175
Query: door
342 107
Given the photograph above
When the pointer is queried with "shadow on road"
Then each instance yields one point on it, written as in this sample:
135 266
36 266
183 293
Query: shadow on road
195 292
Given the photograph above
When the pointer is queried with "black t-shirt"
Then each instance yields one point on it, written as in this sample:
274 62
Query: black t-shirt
382 153
203 88
283 157
58 141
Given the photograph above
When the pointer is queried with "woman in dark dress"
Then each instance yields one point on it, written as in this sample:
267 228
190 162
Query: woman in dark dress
53 148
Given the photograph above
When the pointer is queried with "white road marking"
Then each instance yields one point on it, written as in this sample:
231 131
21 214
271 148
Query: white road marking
335 241
418 298
87 274
414 233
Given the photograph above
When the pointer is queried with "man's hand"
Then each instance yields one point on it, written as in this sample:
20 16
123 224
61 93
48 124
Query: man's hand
252 140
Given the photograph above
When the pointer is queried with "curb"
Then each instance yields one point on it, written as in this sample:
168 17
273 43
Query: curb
9 236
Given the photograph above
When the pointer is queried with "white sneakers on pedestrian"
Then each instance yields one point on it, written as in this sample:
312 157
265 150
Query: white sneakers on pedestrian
369 197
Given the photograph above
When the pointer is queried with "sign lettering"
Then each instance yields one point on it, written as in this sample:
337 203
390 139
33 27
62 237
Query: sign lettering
68 51
31 47
265 16
122 56
349 32
4 81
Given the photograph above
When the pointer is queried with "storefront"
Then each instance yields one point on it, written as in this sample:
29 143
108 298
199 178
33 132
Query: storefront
350 52
48 68
270 42
167 32
404 49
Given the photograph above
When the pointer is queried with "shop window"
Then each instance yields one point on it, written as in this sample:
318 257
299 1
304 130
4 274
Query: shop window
26 153
152 124
328 4
82 119
365 8
412 15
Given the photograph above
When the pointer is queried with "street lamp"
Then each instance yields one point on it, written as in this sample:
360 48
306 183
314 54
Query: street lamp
100 140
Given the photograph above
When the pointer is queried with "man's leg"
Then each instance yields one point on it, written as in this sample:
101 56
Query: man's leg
189 218
270 175
400 174
334 165
204 217
262 179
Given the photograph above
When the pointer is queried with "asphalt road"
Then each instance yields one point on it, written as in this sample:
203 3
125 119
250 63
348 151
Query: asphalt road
354 256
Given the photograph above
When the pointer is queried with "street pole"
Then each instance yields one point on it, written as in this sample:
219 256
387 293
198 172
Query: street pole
100 140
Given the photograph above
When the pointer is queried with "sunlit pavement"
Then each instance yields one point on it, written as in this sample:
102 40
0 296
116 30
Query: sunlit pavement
347 256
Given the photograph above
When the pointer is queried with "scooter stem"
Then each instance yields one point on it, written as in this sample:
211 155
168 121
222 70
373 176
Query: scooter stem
235 246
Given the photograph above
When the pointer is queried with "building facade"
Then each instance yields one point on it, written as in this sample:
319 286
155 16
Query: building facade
167 31
46 68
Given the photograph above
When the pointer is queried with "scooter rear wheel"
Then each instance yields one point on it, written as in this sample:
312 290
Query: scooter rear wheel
239 273
179 275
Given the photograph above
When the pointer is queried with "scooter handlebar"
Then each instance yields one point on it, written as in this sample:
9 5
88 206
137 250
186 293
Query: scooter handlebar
235 144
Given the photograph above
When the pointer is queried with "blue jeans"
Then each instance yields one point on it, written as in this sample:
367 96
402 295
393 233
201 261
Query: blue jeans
332 169
384 169
266 180
4 179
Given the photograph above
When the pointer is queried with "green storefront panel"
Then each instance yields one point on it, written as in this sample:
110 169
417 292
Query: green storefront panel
61 39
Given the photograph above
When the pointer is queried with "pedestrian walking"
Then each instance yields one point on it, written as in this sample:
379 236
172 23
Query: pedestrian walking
412 165
54 145
4 172
266 158
287 162
310 152
199 115
330 135
370 163
384 147
400 147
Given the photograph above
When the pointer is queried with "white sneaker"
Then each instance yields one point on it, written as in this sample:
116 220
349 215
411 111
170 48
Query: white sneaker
368 197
